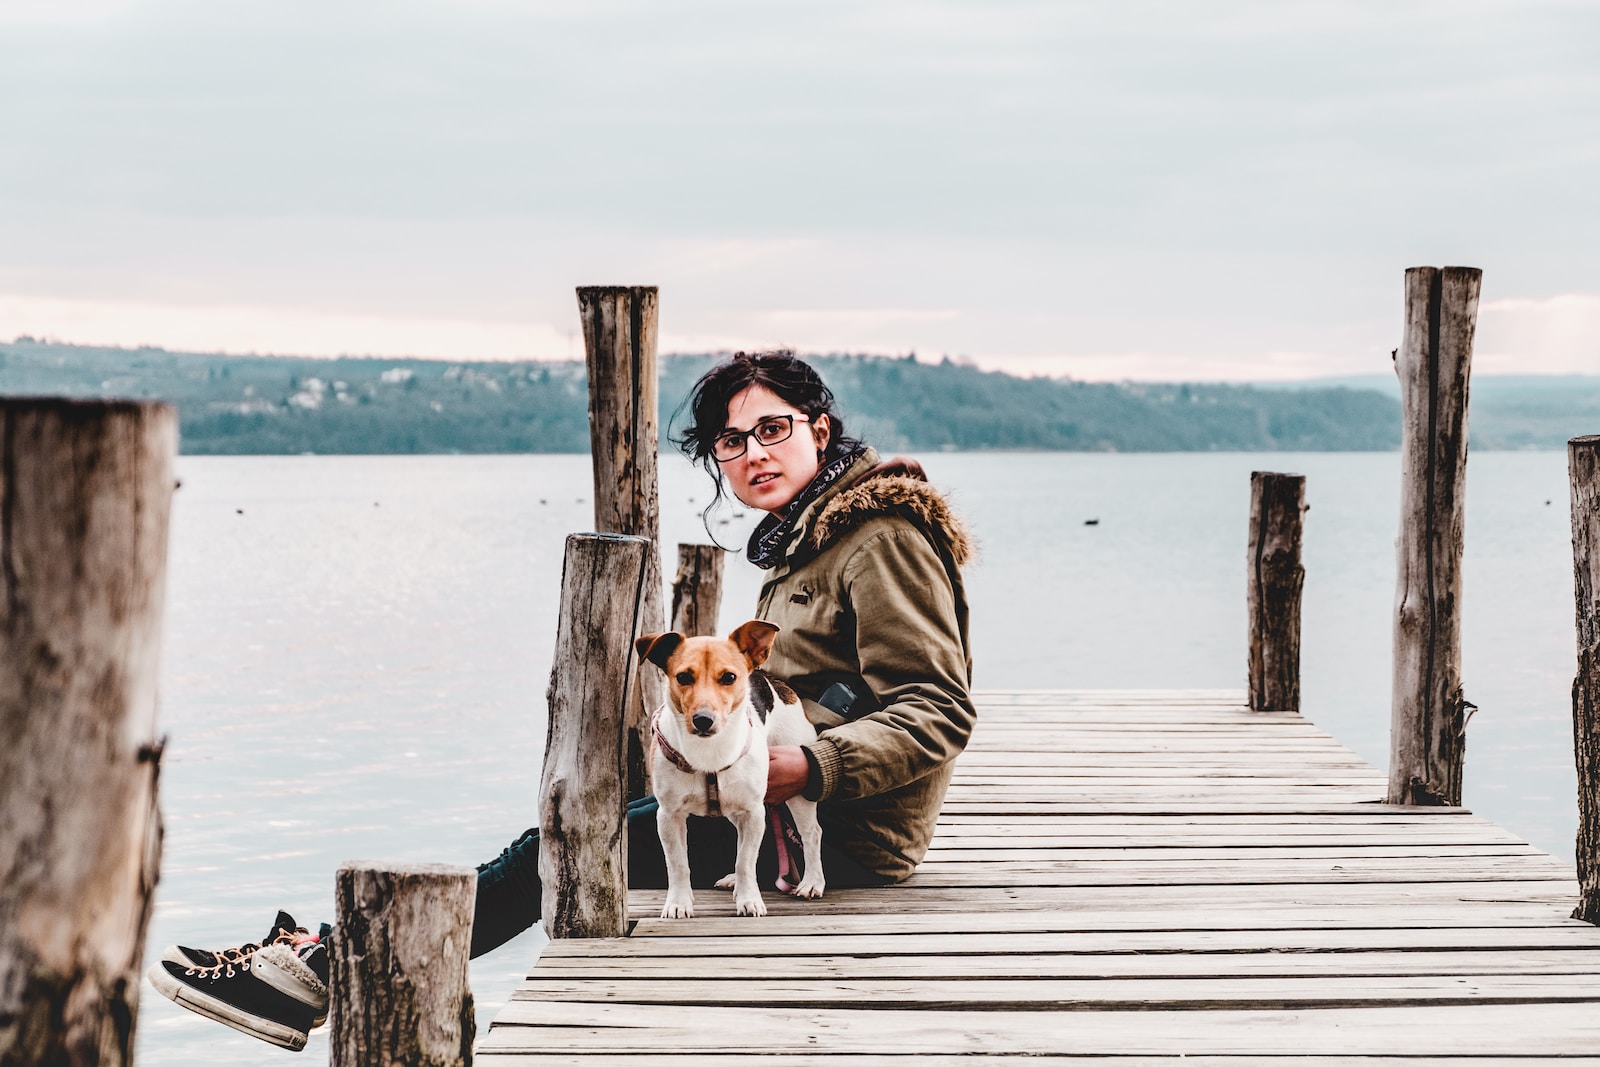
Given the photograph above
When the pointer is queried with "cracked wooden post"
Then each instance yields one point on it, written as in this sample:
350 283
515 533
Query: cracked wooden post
583 862
85 496
619 339
1583 468
1428 712
697 590
398 971
1277 504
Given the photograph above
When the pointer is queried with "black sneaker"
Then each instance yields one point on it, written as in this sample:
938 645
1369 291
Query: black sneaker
299 969
279 1003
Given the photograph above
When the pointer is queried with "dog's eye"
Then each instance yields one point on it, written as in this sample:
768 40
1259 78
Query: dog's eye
728 678
685 678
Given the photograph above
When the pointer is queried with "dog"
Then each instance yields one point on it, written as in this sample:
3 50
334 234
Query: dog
708 756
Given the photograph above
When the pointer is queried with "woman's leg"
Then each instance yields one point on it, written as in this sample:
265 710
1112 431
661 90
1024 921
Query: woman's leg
223 985
509 893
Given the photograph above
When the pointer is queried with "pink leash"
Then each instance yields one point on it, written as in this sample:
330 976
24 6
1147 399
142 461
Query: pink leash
781 835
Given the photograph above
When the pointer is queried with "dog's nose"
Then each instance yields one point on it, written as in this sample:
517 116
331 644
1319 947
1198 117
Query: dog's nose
703 723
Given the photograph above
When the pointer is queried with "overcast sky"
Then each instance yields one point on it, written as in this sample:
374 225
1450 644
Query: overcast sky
1111 189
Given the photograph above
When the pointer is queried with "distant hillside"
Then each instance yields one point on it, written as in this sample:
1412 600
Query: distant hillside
1511 411
276 405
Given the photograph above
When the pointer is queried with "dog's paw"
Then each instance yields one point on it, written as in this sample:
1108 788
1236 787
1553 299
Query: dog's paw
810 889
750 905
678 909
725 882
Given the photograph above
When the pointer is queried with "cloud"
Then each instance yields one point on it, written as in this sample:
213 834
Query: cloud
1554 335
239 329
1159 190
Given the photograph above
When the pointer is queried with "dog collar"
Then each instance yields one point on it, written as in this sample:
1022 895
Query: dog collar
713 795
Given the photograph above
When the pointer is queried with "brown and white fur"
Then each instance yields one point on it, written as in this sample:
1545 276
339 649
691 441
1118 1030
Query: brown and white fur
722 712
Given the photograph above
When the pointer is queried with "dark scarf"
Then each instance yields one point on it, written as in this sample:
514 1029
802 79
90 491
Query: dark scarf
769 538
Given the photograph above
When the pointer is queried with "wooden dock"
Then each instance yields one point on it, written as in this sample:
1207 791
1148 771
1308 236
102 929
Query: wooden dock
1130 877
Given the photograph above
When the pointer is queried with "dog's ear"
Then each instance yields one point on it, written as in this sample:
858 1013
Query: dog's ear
657 647
754 639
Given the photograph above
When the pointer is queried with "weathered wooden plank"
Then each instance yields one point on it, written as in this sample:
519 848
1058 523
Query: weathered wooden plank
1213 839
953 914
1197 721
1032 806
1573 936
1226 815
1269 824
1011 851
1074 994
1476 1029
1136 782
1274 915
1179 773
1109 696
1001 877
971 787
1345 962
782 1057
1039 759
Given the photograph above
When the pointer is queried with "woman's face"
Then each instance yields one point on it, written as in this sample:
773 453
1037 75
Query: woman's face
768 477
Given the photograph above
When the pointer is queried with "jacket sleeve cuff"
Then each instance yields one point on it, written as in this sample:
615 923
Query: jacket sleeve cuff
826 769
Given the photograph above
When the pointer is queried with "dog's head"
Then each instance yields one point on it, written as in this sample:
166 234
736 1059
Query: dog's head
708 677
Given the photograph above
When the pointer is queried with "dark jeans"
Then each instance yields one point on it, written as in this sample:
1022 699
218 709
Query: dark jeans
509 895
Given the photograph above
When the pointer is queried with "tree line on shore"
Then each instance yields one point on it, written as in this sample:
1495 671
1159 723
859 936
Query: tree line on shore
241 405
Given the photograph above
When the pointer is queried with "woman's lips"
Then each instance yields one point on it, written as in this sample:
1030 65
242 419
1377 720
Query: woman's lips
762 479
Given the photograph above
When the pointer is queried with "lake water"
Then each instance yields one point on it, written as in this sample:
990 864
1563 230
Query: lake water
357 649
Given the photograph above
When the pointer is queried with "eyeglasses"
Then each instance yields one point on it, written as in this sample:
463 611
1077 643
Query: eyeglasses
772 430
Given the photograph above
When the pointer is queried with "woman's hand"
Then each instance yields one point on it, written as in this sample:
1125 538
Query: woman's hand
788 770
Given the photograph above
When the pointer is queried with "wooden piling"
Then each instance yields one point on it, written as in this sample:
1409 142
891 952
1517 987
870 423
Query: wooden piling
1277 504
697 590
583 838
85 495
1583 468
1434 362
619 337
398 977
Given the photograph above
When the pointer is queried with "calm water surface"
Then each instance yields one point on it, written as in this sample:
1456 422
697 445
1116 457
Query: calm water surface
357 649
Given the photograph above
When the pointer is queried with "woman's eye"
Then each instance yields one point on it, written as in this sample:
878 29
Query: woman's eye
768 431
685 678
728 678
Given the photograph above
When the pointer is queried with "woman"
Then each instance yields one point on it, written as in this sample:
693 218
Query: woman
864 582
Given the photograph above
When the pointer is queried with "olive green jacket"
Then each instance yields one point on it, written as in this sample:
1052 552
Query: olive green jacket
868 592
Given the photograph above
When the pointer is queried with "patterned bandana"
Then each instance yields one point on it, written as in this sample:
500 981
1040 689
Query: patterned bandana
767 541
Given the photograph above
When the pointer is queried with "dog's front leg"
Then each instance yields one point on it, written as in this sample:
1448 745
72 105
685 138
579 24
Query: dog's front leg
805 821
674 831
751 824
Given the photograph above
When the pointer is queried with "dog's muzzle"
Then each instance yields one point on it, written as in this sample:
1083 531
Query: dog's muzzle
703 724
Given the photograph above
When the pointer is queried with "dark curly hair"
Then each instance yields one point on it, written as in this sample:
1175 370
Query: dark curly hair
792 379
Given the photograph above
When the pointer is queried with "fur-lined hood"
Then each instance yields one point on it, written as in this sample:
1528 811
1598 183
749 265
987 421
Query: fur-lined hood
897 487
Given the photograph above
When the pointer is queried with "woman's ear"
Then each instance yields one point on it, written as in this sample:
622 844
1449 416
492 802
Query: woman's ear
821 430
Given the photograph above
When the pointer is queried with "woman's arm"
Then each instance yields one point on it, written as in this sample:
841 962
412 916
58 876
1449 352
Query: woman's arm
912 656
